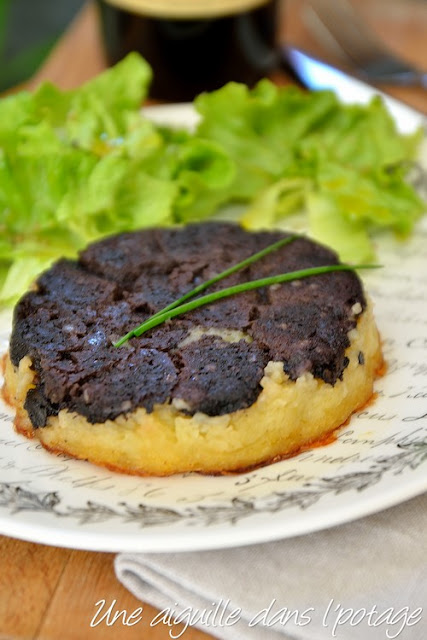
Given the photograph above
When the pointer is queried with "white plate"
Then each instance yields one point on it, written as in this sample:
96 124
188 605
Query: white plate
379 459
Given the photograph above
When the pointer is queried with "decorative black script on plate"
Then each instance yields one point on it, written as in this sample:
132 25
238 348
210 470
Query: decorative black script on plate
408 456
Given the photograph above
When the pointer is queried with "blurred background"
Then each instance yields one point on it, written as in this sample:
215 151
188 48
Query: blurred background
28 31
39 37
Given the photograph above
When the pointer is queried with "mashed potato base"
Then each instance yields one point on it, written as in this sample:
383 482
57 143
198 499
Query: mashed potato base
286 416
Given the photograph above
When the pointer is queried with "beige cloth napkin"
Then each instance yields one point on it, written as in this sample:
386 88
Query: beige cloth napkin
366 580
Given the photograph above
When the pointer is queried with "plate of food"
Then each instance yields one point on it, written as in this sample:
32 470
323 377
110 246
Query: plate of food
186 379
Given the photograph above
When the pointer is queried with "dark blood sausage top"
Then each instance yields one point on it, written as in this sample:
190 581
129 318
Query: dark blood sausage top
68 324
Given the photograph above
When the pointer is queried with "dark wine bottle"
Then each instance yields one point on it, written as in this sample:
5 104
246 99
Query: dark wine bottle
193 45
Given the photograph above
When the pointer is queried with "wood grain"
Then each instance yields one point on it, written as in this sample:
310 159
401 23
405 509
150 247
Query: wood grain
47 593
90 578
29 576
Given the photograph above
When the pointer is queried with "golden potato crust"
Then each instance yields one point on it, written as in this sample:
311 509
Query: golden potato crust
286 416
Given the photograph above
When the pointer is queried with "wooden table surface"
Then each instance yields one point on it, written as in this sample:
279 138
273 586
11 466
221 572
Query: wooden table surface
47 593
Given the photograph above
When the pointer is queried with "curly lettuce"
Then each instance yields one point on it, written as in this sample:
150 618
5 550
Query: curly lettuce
345 166
78 165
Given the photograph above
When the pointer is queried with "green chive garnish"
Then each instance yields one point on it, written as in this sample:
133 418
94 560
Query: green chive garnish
240 265
163 316
227 272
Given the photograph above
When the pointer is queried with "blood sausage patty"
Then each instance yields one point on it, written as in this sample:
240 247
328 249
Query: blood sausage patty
207 368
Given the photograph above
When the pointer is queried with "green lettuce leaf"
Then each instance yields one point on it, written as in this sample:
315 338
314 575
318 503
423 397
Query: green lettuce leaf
72 170
133 200
378 199
330 226
98 115
361 137
79 165
282 198
294 149
259 128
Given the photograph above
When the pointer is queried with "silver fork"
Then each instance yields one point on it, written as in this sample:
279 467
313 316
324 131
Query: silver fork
340 27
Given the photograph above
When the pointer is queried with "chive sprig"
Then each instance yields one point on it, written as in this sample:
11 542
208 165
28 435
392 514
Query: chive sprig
223 274
227 272
179 308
